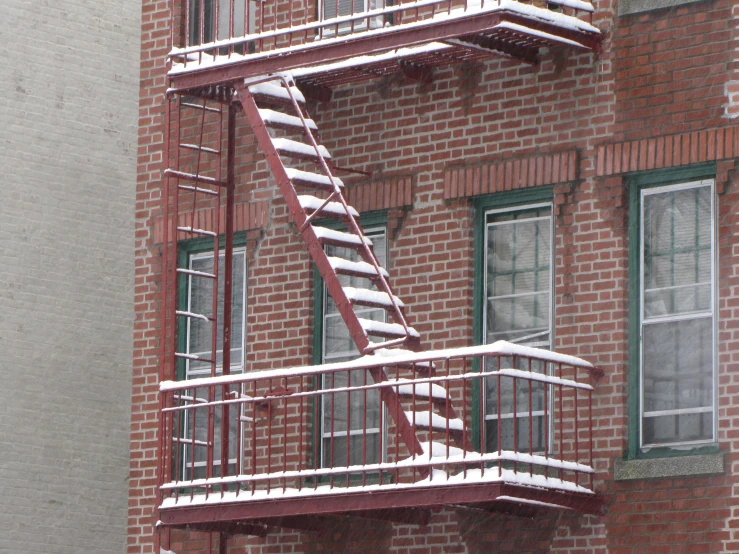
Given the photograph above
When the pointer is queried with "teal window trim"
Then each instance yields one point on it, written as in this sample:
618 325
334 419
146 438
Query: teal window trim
366 220
637 182
481 205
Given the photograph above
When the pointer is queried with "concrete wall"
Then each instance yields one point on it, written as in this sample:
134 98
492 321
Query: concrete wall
68 114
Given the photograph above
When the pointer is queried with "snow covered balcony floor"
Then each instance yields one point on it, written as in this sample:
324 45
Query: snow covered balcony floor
334 42
498 427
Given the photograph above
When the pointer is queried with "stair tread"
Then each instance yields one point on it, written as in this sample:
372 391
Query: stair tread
371 297
394 329
276 91
364 268
279 118
434 421
300 175
300 148
394 352
333 235
420 390
308 202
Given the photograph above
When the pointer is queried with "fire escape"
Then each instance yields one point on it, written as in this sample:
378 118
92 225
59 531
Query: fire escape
238 452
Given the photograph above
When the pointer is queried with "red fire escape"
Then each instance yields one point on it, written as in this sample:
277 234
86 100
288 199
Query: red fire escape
238 452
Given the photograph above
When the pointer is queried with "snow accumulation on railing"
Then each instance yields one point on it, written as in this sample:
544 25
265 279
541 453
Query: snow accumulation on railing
492 414
247 30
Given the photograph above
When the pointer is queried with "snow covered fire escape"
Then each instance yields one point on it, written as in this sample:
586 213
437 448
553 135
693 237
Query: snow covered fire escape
239 452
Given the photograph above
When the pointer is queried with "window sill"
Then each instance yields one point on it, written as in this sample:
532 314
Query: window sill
629 7
677 466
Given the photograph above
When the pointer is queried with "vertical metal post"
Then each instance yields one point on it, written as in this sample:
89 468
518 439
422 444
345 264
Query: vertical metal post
228 282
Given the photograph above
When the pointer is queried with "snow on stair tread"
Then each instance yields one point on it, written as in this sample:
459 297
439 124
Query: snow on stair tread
277 91
299 174
339 236
394 329
435 421
279 118
339 264
439 450
393 352
422 390
313 203
293 146
371 296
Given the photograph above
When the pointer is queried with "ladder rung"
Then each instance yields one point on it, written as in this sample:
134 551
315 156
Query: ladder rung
284 121
355 269
288 147
200 148
312 180
389 330
200 107
340 238
192 357
371 298
193 177
196 189
197 231
334 209
193 315
195 273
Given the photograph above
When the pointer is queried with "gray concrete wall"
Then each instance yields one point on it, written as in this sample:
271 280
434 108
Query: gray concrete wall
68 119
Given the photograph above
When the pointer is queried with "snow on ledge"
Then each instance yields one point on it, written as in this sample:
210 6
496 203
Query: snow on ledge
499 348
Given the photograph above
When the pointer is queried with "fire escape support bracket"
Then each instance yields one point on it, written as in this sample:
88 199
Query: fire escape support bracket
315 92
416 72
498 47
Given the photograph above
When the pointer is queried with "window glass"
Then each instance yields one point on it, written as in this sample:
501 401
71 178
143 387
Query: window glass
199 342
518 262
359 412
677 314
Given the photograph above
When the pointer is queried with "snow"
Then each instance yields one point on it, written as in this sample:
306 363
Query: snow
371 296
340 236
280 118
289 145
162 551
436 421
420 390
543 14
311 177
192 315
533 502
537 33
387 328
196 231
277 91
313 203
470 476
395 352
356 267
542 378
368 362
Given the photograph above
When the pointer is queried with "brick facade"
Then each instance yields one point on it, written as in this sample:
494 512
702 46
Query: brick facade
655 97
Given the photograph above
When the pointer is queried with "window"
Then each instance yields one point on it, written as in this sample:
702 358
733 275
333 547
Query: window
674 313
335 8
517 308
352 424
196 295
205 10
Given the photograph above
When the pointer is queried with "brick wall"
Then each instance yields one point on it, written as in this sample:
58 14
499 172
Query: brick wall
68 144
654 97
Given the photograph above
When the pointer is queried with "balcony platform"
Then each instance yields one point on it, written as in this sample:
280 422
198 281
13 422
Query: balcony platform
330 58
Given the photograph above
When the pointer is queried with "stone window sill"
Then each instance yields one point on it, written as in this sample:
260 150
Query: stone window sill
679 466
628 7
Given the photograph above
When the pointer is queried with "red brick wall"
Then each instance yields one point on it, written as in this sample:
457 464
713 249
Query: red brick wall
659 81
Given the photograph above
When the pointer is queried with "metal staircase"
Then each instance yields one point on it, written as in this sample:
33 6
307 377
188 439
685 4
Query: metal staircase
286 134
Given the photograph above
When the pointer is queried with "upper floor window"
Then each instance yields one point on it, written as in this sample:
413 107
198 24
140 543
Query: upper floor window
518 265
676 314
203 15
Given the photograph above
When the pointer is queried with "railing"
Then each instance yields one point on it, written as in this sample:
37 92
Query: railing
523 416
208 32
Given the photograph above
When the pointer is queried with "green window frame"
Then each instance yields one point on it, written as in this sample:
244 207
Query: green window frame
190 254
372 223
672 390
504 209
